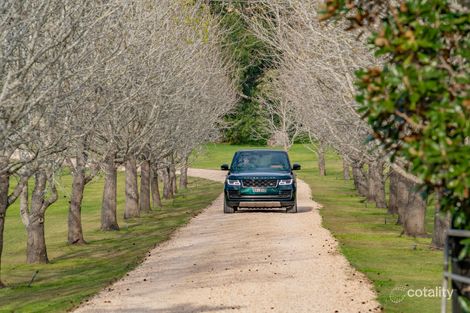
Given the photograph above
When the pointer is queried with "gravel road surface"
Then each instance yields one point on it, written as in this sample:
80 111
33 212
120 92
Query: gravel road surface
252 262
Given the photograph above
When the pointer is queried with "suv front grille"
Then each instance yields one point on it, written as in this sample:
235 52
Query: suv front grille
233 194
259 182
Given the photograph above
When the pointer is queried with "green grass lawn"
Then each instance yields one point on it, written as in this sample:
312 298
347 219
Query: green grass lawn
368 237
75 273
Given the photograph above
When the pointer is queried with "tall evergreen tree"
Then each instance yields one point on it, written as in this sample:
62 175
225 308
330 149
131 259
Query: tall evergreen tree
252 58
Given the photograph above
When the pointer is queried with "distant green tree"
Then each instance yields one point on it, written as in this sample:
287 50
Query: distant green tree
252 58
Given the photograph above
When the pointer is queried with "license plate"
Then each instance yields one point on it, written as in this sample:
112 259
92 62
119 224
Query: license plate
259 189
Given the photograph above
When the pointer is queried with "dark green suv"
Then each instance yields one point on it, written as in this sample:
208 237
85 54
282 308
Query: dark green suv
260 179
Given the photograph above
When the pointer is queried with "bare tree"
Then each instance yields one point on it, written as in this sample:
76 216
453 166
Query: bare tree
97 85
38 42
280 117
316 62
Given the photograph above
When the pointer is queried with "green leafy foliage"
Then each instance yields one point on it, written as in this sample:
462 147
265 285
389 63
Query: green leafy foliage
418 104
464 304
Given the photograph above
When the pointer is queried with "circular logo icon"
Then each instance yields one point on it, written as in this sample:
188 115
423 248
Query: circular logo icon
398 294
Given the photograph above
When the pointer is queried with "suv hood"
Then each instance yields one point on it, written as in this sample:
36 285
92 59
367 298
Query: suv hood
262 175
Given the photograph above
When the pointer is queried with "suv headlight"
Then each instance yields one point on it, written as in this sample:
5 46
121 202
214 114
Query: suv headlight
284 182
233 182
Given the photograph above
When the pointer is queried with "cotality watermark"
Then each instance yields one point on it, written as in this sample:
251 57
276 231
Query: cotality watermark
400 293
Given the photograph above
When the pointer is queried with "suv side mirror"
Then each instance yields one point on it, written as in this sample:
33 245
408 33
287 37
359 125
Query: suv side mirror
296 167
224 167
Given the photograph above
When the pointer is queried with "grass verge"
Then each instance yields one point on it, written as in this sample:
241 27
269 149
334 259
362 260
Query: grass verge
368 237
77 272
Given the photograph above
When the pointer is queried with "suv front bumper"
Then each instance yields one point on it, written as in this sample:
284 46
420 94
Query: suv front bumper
283 199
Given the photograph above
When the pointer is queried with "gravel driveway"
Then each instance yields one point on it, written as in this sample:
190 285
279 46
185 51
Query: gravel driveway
244 262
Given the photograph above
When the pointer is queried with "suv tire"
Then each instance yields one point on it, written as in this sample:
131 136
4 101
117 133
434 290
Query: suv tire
228 209
292 209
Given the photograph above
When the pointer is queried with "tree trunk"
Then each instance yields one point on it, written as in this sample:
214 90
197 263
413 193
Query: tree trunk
415 213
4 188
109 205
441 224
184 175
360 179
173 180
393 195
356 178
24 205
75 231
403 186
371 182
36 246
346 175
145 187
321 160
156 200
132 190
167 188
36 251
376 186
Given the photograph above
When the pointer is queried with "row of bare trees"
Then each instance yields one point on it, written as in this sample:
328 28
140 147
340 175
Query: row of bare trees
313 89
96 85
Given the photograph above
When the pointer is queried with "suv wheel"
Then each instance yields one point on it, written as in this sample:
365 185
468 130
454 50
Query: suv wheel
292 209
228 209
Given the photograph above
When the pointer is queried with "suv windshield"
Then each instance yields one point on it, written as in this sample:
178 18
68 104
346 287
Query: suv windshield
249 161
